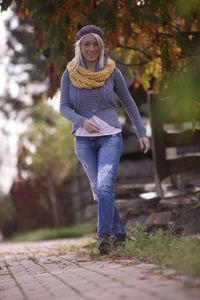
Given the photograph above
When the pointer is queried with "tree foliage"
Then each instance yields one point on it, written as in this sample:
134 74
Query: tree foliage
25 70
150 37
23 82
46 152
46 148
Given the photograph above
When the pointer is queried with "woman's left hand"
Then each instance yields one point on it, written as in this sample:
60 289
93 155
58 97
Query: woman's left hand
144 144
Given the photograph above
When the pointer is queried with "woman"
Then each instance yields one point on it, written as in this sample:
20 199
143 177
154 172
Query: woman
87 99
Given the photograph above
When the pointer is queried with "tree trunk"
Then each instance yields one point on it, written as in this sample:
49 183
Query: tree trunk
53 201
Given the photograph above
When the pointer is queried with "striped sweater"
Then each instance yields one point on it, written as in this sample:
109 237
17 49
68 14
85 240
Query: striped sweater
77 104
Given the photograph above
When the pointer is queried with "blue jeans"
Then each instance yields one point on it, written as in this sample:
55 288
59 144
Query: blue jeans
100 158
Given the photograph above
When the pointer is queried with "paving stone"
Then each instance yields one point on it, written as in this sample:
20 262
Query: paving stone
48 275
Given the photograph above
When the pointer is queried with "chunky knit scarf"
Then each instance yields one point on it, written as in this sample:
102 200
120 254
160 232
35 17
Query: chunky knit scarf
84 79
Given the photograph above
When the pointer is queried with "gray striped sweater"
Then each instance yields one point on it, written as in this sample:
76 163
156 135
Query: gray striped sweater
77 104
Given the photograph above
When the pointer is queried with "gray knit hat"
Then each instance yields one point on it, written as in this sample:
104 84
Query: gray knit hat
89 29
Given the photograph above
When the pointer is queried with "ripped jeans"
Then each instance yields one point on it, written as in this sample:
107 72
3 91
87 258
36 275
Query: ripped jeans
100 157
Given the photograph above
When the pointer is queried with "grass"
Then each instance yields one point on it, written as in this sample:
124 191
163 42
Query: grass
54 233
163 248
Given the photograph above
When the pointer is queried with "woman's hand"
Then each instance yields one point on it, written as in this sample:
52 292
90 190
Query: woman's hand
90 126
144 144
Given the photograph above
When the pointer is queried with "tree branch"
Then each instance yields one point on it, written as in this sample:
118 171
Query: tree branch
133 48
131 65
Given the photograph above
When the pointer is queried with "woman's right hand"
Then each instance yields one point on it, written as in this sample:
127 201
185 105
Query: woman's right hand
90 126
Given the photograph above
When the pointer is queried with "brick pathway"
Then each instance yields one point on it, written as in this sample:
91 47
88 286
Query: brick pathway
45 270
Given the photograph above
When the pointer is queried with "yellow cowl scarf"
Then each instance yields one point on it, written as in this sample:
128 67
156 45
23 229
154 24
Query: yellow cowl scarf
85 79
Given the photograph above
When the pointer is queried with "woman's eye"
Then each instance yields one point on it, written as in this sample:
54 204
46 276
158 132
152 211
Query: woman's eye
88 45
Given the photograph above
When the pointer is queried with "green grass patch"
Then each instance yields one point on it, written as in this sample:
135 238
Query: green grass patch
162 248
54 233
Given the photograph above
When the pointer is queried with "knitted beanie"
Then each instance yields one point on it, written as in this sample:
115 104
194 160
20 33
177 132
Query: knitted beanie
89 29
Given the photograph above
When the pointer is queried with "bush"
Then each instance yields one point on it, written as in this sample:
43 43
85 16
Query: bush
7 216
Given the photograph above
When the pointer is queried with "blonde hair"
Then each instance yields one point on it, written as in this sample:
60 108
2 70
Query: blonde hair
78 58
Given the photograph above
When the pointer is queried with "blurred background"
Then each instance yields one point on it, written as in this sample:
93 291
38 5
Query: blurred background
156 46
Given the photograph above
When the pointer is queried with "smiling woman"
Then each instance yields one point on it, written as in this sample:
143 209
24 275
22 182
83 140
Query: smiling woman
87 99
90 49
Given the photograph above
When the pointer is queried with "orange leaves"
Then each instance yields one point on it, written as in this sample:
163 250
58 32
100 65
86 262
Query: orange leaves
158 67
180 23
40 41
144 75
71 9
89 8
125 14
23 13
152 35
138 80
110 2
112 38
55 16
174 55
150 30
154 51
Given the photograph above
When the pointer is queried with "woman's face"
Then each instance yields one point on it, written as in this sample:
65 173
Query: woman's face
90 48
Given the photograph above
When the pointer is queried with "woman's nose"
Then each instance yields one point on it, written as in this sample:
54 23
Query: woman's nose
91 47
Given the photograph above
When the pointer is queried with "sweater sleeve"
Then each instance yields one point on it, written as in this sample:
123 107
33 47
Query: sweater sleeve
128 102
65 108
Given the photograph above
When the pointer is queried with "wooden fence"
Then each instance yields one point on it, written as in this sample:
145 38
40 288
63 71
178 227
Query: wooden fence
175 147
